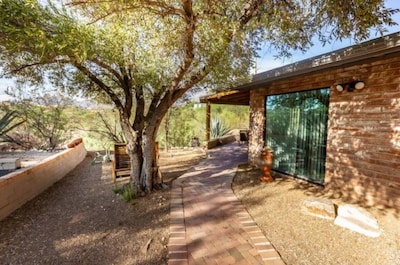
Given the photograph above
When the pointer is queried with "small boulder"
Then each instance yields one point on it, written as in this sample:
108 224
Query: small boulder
319 207
358 220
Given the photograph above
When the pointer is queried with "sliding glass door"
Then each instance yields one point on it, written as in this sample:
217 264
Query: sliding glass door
297 131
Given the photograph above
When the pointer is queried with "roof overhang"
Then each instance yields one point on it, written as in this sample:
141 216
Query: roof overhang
230 97
366 51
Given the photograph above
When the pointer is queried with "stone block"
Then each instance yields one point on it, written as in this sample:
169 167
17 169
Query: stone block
319 207
10 163
358 220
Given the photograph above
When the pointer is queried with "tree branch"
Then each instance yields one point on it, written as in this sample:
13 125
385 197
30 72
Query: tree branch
155 7
138 122
108 68
101 84
126 85
188 44
24 66
250 11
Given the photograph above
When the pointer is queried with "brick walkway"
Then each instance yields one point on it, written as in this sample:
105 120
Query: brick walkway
209 225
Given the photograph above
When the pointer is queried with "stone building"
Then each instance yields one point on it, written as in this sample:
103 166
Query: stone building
333 119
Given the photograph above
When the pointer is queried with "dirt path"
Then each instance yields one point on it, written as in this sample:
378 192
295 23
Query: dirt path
80 220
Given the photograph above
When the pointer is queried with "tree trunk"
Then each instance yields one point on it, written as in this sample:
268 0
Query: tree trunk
167 119
157 175
148 159
135 168
133 148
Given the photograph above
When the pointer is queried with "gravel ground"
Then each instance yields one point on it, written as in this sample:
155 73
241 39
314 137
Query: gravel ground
79 220
307 240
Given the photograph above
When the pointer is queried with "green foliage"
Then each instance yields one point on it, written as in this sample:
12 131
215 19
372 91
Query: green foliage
45 120
50 120
181 124
128 192
218 128
143 56
38 37
8 123
188 120
235 117
100 128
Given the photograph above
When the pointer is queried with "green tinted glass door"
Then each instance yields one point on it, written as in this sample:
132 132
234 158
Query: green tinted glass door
297 131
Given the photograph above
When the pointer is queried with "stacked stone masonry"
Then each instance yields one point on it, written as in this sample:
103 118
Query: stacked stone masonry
363 145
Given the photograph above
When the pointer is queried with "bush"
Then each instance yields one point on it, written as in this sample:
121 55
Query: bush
128 192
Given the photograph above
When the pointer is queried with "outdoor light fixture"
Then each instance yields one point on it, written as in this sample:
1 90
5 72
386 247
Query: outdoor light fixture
351 86
359 85
339 87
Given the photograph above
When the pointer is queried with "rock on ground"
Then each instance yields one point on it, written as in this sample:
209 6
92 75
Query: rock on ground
319 207
358 220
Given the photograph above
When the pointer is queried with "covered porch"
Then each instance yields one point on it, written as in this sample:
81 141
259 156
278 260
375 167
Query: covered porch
356 90
232 97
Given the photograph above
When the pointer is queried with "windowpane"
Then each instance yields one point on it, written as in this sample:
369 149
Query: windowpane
297 131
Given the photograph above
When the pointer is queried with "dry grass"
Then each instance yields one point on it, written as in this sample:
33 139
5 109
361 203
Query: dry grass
303 239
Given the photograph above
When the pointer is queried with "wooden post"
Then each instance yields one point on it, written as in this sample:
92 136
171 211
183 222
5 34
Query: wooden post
208 121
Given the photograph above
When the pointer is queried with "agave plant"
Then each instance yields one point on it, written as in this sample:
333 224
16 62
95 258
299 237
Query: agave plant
7 122
218 128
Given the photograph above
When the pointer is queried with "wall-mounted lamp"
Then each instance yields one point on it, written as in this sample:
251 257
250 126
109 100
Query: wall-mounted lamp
350 86
339 87
359 84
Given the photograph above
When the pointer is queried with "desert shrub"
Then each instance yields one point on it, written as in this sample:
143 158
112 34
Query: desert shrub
127 191
218 128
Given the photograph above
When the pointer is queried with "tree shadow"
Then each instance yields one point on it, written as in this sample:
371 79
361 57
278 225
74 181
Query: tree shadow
363 146
80 220
211 219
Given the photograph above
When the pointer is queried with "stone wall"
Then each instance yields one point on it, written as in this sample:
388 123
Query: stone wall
363 156
257 124
19 187
222 141
363 149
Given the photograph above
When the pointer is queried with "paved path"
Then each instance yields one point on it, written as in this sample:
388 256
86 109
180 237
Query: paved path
209 225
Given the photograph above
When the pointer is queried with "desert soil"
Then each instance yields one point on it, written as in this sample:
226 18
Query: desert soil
80 220
304 239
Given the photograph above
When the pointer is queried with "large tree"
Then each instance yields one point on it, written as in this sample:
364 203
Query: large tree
143 55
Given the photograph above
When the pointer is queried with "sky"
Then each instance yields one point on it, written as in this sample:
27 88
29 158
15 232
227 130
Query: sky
267 60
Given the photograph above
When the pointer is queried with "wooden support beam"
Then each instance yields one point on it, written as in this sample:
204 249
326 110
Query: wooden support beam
208 121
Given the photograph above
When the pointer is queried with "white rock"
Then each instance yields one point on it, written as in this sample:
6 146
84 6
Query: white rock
358 220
